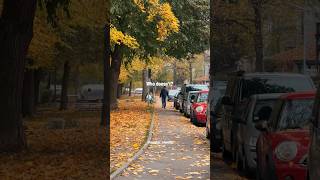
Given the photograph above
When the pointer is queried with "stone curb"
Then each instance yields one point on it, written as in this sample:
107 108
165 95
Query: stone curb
136 156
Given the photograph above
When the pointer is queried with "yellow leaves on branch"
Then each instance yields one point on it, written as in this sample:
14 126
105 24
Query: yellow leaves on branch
136 65
167 23
118 37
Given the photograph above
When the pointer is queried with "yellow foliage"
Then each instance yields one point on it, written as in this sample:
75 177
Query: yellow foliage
119 37
167 24
42 49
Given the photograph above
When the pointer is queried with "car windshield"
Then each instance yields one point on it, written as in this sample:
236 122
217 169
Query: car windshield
173 92
279 84
192 94
295 114
197 88
262 104
202 97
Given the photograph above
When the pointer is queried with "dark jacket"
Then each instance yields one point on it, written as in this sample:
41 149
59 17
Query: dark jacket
164 93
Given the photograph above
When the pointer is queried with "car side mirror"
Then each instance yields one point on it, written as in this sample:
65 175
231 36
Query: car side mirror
226 100
262 125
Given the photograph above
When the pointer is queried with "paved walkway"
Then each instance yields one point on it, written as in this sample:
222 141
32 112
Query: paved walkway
178 150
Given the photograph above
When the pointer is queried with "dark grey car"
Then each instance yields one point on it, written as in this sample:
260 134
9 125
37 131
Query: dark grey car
314 148
247 133
241 86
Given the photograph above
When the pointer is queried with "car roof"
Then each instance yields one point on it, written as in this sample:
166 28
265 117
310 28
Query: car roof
204 91
188 85
299 95
193 92
271 74
267 96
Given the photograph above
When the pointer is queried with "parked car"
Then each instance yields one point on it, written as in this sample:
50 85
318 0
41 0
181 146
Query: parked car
184 93
198 108
219 89
241 86
91 93
314 148
190 98
172 94
259 107
138 91
282 147
176 100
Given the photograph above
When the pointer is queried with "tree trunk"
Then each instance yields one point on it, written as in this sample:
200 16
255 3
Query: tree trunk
130 87
28 93
37 79
55 85
105 117
119 90
115 72
16 32
144 84
175 73
258 37
64 88
49 80
190 71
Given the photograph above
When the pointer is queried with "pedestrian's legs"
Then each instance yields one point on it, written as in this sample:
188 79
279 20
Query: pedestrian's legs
163 102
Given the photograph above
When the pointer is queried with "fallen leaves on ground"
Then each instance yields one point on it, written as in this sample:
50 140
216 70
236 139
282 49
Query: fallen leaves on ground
128 129
74 153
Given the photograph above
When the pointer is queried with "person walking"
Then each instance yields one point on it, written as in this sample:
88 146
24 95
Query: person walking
163 95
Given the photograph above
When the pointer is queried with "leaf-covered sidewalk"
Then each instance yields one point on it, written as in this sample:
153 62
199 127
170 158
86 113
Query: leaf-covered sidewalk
128 129
178 151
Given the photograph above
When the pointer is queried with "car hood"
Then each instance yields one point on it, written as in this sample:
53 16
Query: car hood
300 136
194 105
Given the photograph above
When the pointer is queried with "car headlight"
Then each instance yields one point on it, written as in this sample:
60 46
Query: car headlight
286 151
199 109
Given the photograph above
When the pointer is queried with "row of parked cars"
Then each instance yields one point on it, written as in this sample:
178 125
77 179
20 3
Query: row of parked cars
191 100
267 123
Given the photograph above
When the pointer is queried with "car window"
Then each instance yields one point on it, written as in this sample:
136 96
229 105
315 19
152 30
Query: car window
295 114
218 92
280 84
262 104
202 97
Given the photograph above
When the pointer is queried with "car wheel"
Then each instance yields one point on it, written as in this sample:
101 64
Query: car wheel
225 153
207 133
233 149
215 145
195 121
245 167
239 160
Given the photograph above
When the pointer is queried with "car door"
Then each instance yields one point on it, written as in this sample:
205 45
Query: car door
228 114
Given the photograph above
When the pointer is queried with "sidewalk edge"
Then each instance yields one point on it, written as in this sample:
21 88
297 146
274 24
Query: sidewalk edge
136 156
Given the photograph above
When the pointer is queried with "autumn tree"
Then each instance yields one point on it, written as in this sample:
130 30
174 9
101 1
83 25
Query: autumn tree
139 25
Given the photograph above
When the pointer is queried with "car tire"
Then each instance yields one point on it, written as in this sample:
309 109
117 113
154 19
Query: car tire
207 133
216 148
239 161
225 154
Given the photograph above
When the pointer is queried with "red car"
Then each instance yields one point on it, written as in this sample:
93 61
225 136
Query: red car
198 108
282 147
